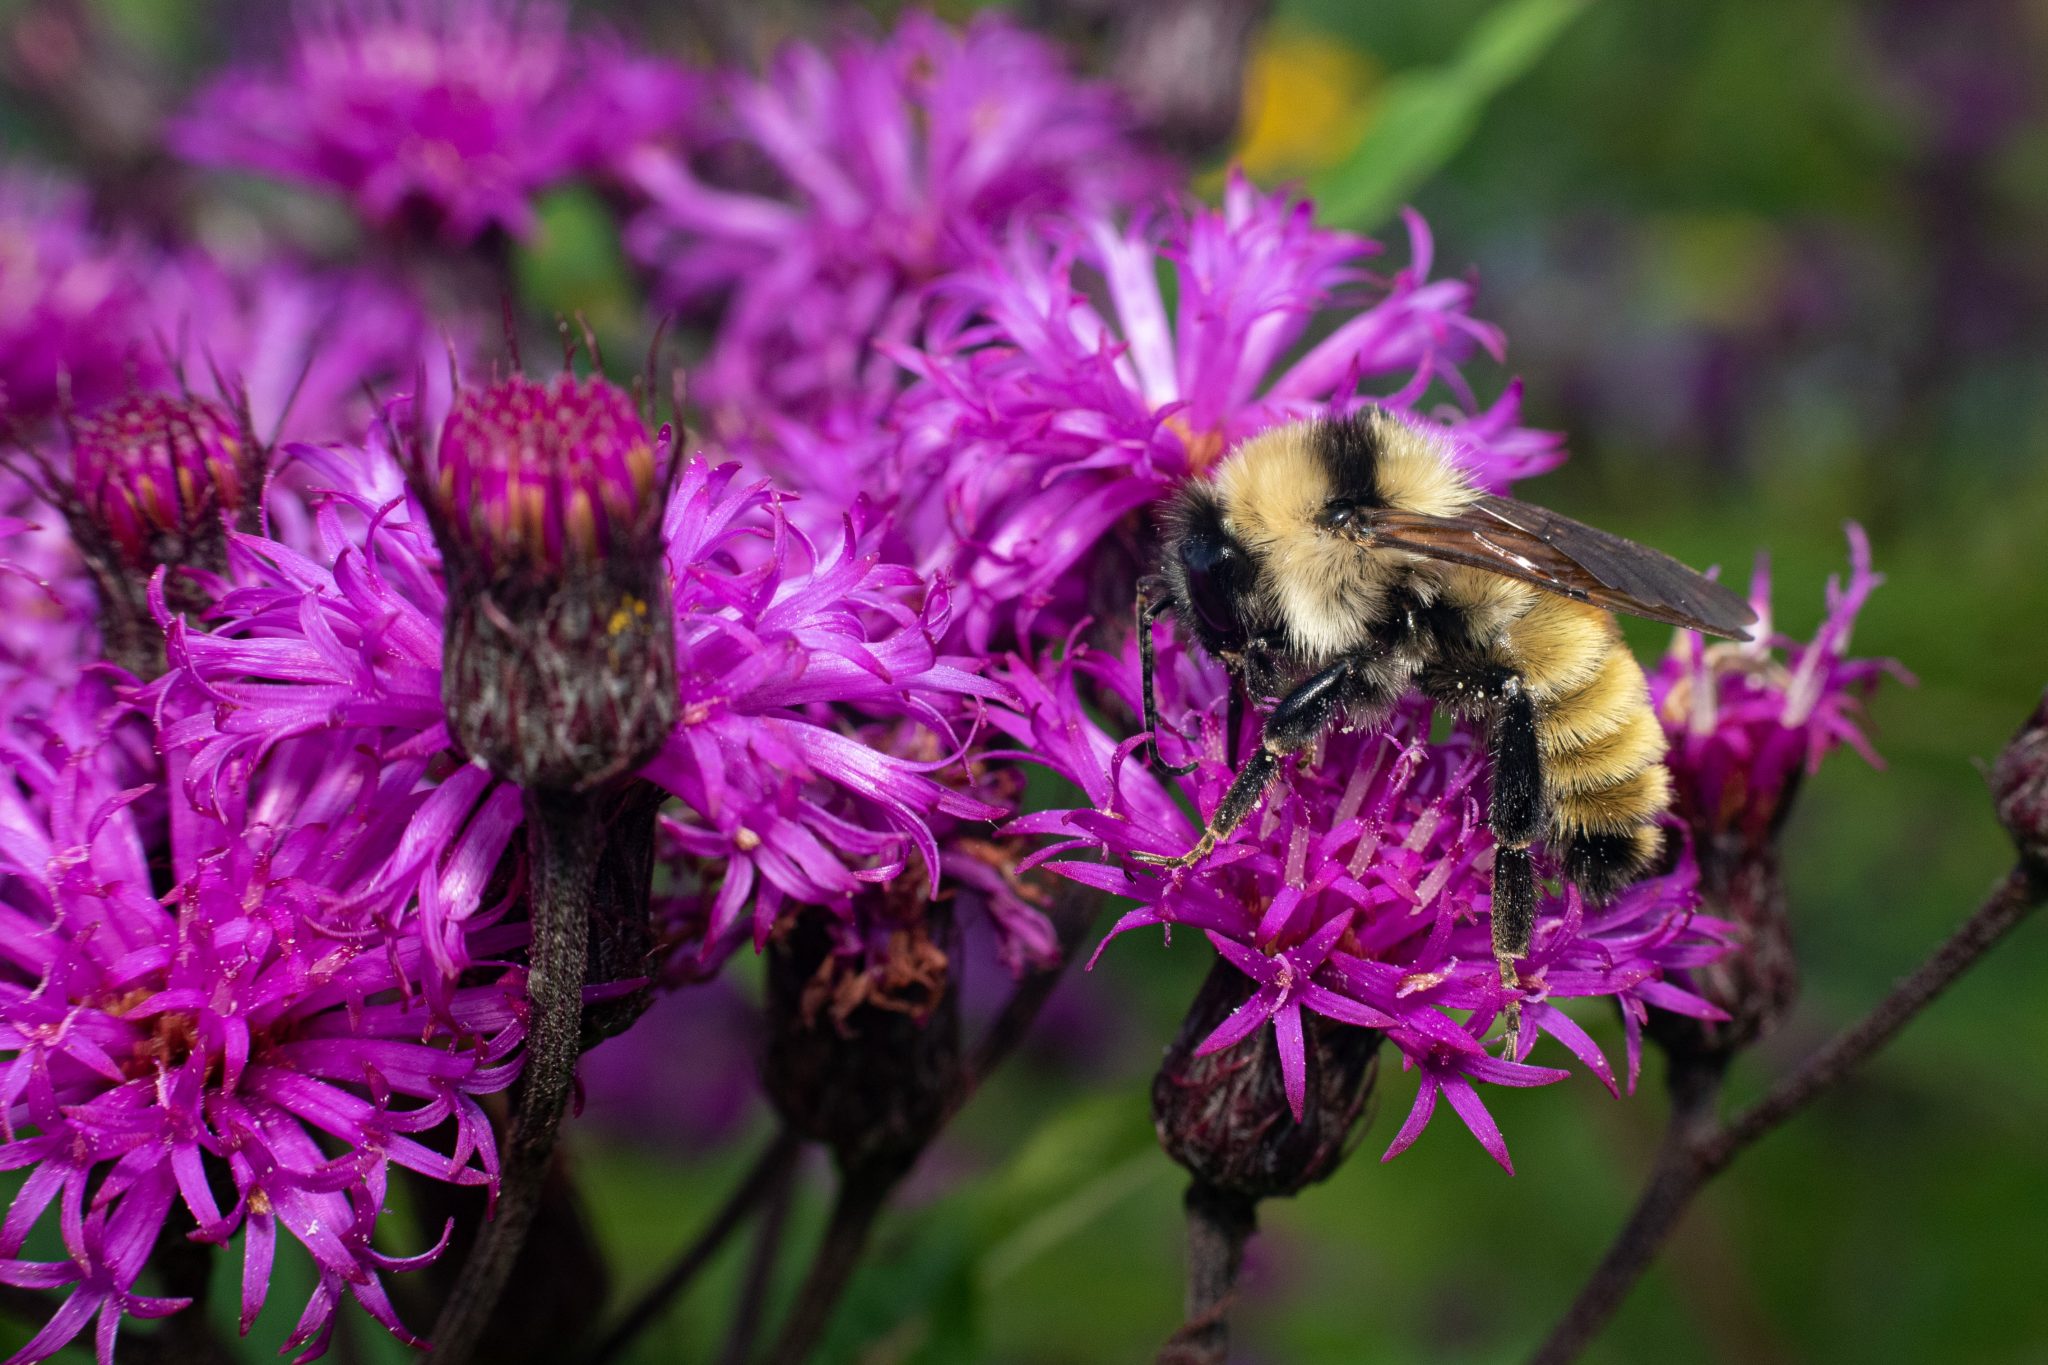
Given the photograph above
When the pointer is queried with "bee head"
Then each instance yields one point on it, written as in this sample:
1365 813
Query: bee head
1213 574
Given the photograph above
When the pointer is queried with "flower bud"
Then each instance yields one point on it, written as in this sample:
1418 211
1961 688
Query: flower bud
155 479
1224 1116
863 1051
559 664
2019 785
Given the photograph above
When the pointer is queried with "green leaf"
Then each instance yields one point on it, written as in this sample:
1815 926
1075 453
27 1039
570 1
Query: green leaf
573 264
1426 115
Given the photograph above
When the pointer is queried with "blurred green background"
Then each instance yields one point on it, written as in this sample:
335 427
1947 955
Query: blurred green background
1772 265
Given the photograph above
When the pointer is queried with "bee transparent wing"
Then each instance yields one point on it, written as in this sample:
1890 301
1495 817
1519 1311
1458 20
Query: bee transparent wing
1553 552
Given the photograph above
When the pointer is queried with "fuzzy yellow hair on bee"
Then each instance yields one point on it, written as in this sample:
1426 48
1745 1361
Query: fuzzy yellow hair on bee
1343 564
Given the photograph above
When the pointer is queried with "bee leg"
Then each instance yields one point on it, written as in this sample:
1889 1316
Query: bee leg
1153 601
1293 725
1515 816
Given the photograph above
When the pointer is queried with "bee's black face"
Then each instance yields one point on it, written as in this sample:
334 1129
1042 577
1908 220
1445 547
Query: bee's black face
1213 575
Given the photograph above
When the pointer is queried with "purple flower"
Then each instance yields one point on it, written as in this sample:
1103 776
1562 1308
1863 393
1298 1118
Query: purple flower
304 344
1044 419
790 660
1748 721
1360 892
68 300
807 671
451 113
827 193
252 1043
552 474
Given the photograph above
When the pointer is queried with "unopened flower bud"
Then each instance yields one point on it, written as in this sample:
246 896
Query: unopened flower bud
155 480
2019 784
1224 1116
863 1052
559 666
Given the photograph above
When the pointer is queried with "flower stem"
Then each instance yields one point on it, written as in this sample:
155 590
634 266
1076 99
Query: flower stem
770 1171
564 836
1220 1222
863 1193
1697 1148
753 1299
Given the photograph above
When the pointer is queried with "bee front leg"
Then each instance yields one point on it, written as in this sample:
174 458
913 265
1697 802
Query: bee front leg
1294 724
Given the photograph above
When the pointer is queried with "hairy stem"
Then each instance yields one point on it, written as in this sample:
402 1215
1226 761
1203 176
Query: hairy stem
564 836
771 1170
1219 1225
1698 1148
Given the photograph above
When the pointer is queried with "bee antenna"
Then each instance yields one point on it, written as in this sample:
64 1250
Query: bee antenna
1149 609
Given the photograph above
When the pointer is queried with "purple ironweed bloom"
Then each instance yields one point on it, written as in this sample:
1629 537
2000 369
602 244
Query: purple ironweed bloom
1747 723
1360 892
449 114
251 1043
824 195
1042 419
70 304
545 499
778 644
787 803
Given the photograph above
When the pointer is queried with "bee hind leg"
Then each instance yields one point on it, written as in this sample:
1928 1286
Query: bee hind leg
1515 815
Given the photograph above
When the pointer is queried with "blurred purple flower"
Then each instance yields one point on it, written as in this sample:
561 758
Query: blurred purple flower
1042 419
1361 891
252 1036
453 114
1748 721
307 344
69 302
827 193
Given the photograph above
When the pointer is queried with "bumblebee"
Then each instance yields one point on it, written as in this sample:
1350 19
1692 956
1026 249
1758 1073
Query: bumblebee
1341 565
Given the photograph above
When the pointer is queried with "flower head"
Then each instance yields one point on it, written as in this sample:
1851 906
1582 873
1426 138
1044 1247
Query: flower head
1361 893
456 112
868 170
1747 723
250 1043
1042 419
560 670
155 475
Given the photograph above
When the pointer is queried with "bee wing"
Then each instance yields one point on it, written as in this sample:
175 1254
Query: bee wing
1557 554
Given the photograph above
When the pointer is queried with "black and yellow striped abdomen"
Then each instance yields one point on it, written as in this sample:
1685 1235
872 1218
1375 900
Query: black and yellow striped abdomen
1601 746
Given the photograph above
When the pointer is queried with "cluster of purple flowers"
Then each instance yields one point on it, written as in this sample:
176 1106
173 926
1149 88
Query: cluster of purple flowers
265 899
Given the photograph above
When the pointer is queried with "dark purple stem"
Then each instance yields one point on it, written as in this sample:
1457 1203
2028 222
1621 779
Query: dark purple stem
564 838
771 1170
1219 1225
1697 1148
